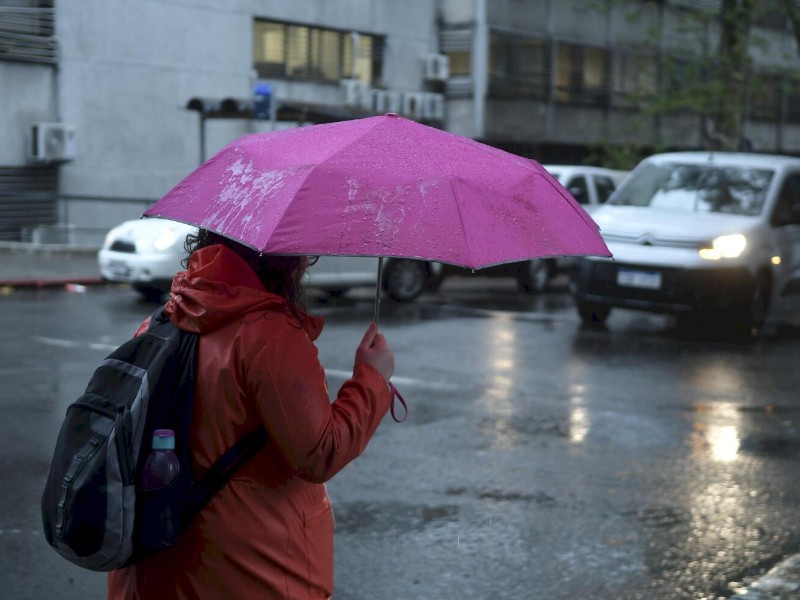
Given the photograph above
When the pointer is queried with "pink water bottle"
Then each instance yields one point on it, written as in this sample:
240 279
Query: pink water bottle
161 467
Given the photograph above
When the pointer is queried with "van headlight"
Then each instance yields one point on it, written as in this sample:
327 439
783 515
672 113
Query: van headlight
725 246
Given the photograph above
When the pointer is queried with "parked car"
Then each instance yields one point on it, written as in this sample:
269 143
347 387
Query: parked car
403 279
699 235
146 253
591 187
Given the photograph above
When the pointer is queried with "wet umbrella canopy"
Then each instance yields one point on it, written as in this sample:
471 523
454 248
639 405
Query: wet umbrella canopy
382 186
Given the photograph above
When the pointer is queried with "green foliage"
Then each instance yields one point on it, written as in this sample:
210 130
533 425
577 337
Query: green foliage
617 156
717 79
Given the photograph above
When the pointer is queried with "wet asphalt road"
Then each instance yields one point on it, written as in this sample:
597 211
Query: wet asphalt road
539 459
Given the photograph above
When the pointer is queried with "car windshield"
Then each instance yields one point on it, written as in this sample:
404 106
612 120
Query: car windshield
697 188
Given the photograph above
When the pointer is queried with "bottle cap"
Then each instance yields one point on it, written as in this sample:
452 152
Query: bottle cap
163 439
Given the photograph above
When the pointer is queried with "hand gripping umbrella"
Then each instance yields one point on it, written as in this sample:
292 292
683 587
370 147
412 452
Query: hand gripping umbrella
382 186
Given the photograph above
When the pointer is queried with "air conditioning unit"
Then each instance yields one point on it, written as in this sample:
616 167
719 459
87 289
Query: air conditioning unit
412 104
53 142
386 101
356 92
437 67
433 106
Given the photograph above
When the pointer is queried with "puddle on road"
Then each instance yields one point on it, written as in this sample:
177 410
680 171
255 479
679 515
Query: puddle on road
497 495
519 431
659 517
777 446
724 432
380 517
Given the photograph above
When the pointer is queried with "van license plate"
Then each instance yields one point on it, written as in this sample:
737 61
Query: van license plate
650 280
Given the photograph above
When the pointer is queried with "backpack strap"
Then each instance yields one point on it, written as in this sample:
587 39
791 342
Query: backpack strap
215 478
158 316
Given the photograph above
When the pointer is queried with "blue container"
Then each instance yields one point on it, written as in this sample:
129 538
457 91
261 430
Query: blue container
262 100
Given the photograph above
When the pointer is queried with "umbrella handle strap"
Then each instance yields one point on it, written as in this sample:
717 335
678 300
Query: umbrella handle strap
397 396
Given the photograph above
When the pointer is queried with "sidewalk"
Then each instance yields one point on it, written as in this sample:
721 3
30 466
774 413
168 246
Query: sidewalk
47 265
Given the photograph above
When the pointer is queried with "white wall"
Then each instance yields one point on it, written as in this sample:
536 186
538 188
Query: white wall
27 95
128 67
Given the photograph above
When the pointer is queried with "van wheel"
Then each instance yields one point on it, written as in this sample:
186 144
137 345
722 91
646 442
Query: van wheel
405 279
534 276
593 313
749 320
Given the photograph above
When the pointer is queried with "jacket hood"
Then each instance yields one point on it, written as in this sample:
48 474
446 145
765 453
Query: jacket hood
220 287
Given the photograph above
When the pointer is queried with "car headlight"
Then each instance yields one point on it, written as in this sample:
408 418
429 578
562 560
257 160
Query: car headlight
725 246
165 239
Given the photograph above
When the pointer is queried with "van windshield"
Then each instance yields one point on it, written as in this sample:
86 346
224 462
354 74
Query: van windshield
697 188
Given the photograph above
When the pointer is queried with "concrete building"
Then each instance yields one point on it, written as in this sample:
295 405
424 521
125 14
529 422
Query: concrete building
552 78
106 104
109 81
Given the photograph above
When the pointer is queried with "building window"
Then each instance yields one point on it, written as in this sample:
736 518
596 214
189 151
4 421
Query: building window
287 51
634 79
27 31
792 99
685 83
460 63
581 75
518 67
770 14
765 98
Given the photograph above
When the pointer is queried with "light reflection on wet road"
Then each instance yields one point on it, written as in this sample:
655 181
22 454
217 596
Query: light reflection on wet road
539 459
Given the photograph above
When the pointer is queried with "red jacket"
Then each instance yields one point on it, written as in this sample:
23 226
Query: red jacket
269 533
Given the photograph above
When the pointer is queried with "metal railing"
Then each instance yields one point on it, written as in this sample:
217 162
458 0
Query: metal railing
27 34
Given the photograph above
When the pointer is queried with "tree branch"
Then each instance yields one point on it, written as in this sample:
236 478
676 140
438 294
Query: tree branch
793 12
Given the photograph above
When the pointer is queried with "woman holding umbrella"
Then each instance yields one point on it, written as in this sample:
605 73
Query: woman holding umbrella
269 532
381 186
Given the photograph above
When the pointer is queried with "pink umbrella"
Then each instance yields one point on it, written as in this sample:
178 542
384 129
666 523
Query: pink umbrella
382 186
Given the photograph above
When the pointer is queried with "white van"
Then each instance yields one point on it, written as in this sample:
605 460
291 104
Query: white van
699 234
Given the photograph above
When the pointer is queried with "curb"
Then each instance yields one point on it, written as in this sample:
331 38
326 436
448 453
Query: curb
33 251
47 249
51 283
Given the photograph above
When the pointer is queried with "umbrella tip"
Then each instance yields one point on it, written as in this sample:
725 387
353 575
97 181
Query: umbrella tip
390 115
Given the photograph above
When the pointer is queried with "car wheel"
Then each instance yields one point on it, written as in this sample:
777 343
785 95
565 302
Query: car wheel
149 293
405 279
750 319
593 313
433 282
534 276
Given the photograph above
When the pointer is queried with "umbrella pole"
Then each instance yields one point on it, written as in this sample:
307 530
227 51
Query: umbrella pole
378 290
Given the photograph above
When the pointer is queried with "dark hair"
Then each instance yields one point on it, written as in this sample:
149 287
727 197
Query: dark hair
276 273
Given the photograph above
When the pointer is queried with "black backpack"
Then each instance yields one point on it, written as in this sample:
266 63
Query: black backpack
93 510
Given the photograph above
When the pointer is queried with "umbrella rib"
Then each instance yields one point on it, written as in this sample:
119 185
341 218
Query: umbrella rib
306 175
507 157
585 218
458 204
